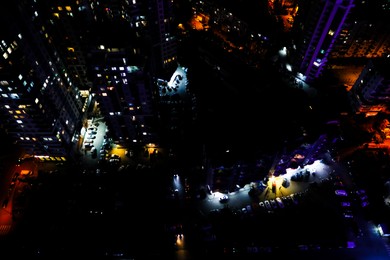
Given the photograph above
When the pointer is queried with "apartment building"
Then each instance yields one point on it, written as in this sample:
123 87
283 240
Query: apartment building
41 105
64 59
318 24
371 92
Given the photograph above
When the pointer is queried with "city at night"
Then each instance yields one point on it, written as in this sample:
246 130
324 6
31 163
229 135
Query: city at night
195 130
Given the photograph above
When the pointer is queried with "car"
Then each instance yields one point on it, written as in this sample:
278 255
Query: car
339 184
114 160
285 183
15 177
347 215
274 205
224 198
262 205
341 193
280 202
88 145
129 153
360 192
363 197
294 199
267 204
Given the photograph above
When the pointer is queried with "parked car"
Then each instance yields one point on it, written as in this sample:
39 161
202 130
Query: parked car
285 183
341 193
280 202
262 205
224 198
88 146
274 205
345 204
347 215
267 205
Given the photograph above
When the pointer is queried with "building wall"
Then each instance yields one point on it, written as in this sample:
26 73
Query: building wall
319 23
41 106
371 92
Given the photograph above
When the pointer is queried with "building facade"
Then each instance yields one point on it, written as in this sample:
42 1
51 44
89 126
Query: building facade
64 59
371 92
318 24
41 105
366 34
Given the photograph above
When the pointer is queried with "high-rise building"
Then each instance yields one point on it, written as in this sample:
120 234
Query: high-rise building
366 34
319 24
371 92
40 103
161 35
64 59
131 44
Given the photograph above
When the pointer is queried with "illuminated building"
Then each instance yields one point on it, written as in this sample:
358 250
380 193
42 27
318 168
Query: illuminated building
41 104
65 61
319 23
371 92
366 32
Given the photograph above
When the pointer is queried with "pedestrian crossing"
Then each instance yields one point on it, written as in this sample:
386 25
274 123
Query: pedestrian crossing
4 229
